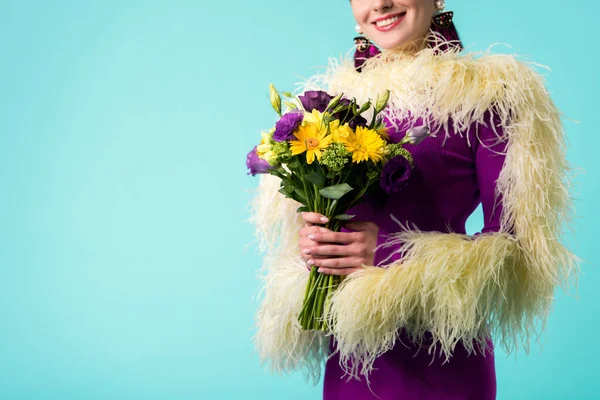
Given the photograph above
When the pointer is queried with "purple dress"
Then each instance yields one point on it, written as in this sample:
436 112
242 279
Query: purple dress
452 176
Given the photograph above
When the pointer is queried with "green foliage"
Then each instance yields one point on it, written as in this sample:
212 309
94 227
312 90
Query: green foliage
336 192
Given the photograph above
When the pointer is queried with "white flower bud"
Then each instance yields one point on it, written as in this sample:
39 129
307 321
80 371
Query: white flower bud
334 102
275 99
382 101
417 134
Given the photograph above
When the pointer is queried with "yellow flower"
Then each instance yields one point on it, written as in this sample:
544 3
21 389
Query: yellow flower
314 117
382 130
264 151
340 133
365 145
312 138
264 146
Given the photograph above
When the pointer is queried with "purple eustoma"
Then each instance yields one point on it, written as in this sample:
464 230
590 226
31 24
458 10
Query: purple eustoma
255 164
315 100
357 121
395 175
287 124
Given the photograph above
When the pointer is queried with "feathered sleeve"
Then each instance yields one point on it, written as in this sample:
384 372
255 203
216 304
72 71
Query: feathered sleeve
281 342
452 287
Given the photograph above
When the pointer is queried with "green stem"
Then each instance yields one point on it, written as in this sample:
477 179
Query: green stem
311 287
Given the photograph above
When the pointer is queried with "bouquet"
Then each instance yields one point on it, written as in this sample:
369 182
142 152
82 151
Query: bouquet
328 157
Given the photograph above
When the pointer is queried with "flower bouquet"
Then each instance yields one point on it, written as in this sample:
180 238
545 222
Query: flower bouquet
328 157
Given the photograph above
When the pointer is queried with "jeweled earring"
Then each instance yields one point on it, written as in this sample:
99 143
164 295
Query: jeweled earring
445 35
364 49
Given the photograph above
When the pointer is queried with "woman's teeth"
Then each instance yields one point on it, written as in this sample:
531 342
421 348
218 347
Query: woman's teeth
389 21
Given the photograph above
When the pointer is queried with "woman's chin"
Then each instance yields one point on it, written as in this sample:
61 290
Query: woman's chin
392 40
398 44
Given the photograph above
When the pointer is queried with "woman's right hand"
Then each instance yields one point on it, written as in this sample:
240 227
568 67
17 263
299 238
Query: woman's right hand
312 225
337 253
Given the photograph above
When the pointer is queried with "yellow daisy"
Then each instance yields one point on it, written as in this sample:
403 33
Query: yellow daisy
312 138
365 144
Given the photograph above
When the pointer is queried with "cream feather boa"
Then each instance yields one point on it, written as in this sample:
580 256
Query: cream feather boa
454 287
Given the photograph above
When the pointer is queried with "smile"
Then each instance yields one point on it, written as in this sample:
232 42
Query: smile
388 22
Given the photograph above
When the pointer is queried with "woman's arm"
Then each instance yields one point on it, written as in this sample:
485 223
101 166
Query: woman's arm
454 287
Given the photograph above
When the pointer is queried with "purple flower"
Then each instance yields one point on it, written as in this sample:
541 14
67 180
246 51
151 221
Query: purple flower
255 164
357 121
285 127
395 174
315 100
345 115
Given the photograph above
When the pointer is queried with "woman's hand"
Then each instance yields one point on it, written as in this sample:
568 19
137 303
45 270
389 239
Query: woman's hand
337 253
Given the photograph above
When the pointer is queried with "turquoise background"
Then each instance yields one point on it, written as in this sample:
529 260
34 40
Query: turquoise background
125 265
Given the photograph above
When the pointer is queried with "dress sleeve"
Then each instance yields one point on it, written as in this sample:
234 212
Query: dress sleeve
450 288
490 155
489 152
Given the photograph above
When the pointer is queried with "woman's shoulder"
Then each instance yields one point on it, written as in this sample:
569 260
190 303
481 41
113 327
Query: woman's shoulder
451 69
452 89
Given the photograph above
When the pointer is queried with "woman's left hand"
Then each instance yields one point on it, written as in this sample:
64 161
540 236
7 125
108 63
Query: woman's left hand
342 253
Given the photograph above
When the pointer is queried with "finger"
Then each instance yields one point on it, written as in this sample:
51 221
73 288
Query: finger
333 250
314 229
335 237
305 244
308 253
311 218
338 271
336 263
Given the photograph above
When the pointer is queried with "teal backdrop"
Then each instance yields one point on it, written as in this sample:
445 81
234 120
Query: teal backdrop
127 269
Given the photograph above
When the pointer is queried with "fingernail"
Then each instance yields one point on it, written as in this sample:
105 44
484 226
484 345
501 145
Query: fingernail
324 220
320 270
312 237
307 251
311 262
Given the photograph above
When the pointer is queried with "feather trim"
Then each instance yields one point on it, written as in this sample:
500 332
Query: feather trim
280 339
448 288
455 287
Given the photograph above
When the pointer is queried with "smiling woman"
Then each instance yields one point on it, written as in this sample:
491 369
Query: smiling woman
394 24
422 302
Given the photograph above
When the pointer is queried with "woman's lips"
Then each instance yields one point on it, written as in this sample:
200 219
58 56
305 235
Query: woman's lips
388 22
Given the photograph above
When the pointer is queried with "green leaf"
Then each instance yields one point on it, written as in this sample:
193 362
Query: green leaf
294 163
277 173
289 187
303 209
301 195
316 178
285 193
344 217
335 192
